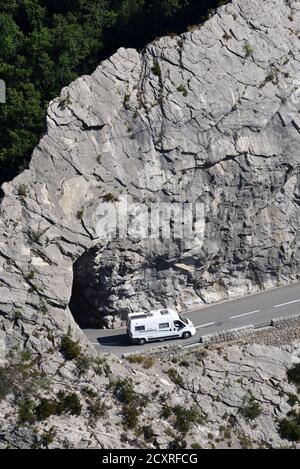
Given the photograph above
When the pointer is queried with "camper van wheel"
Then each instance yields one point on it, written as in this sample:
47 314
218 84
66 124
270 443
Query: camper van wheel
186 335
142 341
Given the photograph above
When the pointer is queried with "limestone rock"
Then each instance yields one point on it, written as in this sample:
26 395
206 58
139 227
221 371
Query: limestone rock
207 121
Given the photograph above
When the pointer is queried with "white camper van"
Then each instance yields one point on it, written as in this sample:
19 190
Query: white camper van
158 325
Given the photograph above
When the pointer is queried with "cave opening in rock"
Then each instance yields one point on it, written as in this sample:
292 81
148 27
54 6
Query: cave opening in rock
89 303
123 277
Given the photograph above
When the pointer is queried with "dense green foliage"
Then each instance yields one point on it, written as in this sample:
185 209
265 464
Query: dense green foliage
293 375
70 348
45 44
251 409
290 428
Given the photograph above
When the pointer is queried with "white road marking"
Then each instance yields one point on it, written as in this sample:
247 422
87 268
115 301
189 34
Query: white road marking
245 314
204 325
95 343
284 304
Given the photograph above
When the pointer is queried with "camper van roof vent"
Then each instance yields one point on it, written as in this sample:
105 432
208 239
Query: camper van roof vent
164 311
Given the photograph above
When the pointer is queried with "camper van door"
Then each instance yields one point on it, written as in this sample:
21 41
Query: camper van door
166 328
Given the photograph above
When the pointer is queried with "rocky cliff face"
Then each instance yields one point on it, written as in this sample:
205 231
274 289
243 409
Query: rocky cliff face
227 397
209 121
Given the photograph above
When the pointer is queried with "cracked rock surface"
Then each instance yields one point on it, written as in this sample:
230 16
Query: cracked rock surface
210 119
212 390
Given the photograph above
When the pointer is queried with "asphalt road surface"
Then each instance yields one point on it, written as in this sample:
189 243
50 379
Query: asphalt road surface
258 310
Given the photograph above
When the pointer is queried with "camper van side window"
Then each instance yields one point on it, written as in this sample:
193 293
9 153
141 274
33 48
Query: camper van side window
164 325
139 328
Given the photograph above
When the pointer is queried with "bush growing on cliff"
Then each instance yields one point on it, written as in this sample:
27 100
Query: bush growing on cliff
185 418
293 375
133 403
26 412
290 428
69 347
63 404
175 377
130 415
97 409
22 378
148 433
125 392
146 362
251 409
83 364
248 49
177 443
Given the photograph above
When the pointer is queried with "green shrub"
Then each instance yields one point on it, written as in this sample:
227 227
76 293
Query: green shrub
22 190
35 235
185 418
46 408
79 214
126 101
97 409
22 378
125 393
177 443
292 399
248 49
65 403
227 36
70 348
175 377
130 415
182 89
132 402
201 354
69 403
83 364
135 358
156 69
109 197
290 429
293 374
196 446
184 363
251 409
89 392
166 412
64 101
146 362
30 276
245 442
148 433
26 412
48 437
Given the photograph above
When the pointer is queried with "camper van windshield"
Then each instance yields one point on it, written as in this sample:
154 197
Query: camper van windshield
183 319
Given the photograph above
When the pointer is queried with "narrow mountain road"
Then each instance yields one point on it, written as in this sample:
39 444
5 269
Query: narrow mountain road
258 309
